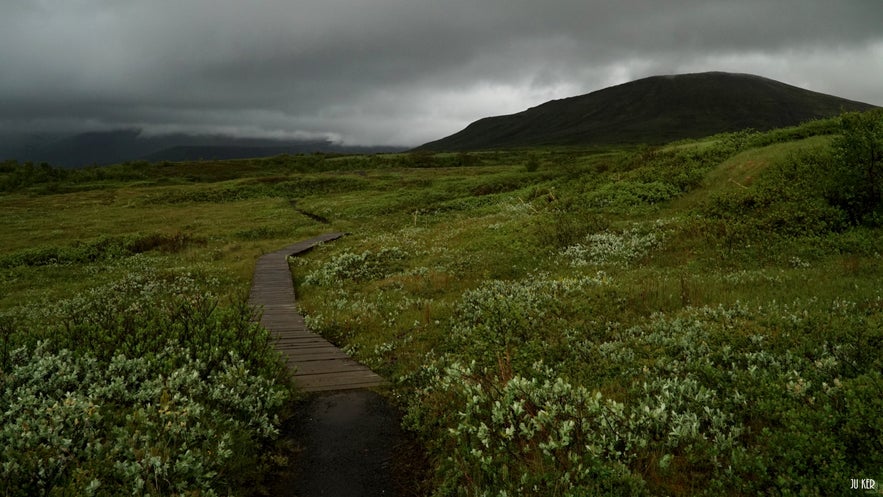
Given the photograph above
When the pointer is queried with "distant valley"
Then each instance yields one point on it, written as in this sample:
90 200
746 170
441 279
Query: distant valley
109 147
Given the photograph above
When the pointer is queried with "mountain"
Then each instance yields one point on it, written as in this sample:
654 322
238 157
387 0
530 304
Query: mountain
109 147
657 109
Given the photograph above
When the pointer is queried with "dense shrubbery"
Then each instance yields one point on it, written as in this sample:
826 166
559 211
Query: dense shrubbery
817 127
787 200
509 325
45 178
14 175
755 400
855 180
625 194
164 424
530 436
813 193
143 386
103 249
565 221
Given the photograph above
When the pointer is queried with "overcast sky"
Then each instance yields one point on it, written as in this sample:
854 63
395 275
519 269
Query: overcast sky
398 72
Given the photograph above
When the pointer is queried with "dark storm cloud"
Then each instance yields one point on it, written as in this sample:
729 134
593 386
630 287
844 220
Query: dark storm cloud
395 71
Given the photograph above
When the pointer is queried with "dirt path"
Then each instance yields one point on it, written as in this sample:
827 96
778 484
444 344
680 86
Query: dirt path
347 444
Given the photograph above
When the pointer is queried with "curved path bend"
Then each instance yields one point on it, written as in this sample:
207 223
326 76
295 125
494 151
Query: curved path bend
316 364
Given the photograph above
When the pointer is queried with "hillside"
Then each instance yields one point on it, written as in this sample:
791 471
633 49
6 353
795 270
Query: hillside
657 109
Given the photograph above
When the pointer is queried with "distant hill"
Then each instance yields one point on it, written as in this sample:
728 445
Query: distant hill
222 152
109 147
657 109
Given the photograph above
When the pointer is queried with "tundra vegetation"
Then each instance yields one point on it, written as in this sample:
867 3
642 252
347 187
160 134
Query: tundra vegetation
699 318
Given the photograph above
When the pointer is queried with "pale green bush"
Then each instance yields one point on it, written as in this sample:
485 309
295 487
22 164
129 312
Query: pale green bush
75 425
144 386
357 267
617 248
525 436
505 323
714 390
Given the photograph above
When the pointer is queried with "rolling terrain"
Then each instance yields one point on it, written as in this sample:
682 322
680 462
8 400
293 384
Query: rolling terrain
696 318
655 110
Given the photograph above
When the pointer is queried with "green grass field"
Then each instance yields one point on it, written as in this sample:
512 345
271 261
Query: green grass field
703 318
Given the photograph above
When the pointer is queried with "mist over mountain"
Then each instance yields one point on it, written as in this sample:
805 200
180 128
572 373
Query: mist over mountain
109 147
657 109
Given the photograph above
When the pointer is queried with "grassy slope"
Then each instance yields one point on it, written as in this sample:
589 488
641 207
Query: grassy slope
507 236
449 230
740 171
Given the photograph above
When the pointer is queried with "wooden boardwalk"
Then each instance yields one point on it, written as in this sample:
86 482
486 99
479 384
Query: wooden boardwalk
317 364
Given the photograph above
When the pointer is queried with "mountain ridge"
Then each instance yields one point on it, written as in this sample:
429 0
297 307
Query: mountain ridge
655 109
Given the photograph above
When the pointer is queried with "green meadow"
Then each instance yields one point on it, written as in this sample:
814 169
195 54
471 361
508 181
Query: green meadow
699 318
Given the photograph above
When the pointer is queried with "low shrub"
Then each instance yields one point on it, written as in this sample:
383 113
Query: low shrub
159 425
777 400
616 248
523 436
509 324
143 386
629 194
349 266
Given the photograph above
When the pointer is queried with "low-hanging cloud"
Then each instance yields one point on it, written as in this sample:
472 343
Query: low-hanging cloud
395 71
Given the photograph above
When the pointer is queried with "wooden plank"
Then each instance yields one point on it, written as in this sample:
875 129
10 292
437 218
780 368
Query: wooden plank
310 345
338 381
330 366
340 386
281 336
298 356
331 377
302 343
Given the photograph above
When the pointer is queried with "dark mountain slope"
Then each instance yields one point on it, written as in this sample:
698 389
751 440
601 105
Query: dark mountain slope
653 110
